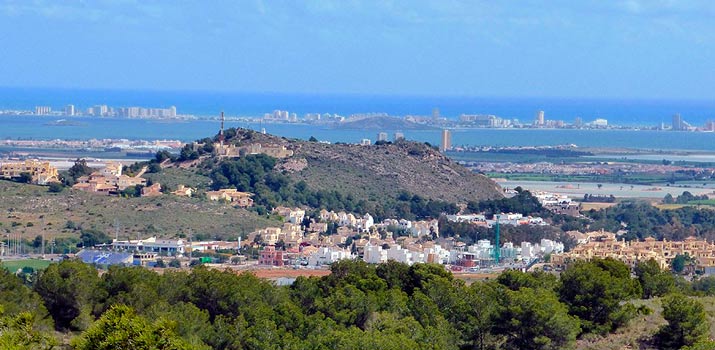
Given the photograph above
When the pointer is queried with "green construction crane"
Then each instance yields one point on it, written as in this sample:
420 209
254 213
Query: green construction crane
496 241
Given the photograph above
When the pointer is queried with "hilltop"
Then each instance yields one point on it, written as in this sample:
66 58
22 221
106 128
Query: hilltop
373 173
389 169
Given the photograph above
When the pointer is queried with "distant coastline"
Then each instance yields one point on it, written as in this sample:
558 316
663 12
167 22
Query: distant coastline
202 104
34 128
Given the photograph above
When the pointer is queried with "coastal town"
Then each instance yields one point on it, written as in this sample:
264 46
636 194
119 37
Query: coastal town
409 121
316 239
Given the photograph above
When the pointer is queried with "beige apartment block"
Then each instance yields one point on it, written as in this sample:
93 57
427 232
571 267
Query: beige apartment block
605 245
42 172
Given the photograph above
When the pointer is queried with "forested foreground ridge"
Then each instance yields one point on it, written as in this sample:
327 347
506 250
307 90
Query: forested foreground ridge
358 306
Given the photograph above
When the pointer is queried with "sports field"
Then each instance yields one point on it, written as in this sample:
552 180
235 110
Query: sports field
14 265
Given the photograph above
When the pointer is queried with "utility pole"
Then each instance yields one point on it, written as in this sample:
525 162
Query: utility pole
191 245
42 224
116 234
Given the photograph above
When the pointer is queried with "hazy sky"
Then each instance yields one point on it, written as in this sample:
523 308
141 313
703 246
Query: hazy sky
562 48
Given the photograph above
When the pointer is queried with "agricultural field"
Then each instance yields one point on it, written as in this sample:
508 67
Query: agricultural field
708 202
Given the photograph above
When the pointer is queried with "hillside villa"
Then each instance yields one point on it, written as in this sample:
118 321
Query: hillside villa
232 195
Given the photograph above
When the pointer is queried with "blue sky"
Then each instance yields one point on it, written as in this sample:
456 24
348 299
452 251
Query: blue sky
515 48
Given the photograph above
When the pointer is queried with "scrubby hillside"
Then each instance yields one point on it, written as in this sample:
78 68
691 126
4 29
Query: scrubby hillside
388 169
375 172
32 210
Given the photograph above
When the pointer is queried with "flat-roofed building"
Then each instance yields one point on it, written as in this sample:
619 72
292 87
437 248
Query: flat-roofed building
446 140
271 256
151 244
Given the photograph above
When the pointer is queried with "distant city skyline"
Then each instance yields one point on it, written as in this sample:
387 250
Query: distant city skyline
650 49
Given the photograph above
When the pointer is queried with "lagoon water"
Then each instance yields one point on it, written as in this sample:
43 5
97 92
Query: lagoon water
205 103
578 190
618 112
34 127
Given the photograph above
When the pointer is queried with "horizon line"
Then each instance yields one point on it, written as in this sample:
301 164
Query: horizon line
362 94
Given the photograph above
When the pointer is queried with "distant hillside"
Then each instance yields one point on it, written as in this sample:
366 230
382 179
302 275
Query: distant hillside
375 173
380 123
388 169
33 211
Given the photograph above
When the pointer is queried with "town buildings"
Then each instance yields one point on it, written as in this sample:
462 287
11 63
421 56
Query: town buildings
513 219
110 180
558 203
484 121
446 140
69 110
605 245
482 253
271 256
41 172
151 244
677 124
328 255
42 110
105 258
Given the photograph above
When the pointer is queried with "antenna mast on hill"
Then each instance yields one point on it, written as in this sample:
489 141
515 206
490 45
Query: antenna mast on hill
220 133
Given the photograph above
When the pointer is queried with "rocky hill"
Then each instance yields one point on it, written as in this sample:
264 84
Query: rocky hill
375 171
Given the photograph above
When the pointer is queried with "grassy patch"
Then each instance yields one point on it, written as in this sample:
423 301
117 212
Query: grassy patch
597 206
710 202
173 177
14 265
670 206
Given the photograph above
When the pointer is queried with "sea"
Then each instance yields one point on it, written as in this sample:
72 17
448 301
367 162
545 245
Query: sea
207 105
